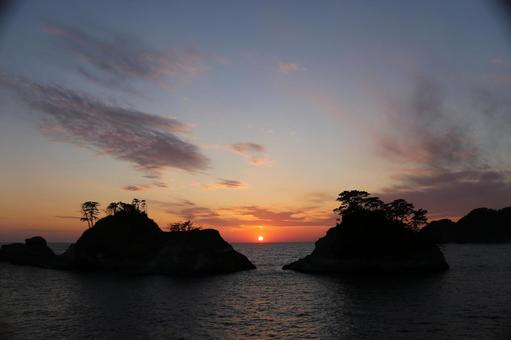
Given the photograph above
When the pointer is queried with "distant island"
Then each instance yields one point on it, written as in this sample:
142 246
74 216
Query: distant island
373 237
127 240
481 225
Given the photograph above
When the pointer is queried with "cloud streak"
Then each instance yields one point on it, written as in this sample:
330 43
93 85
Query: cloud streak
150 142
114 59
253 152
255 215
226 184
287 68
142 187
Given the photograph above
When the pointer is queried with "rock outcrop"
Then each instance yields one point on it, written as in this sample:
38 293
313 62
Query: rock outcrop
481 225
34 252
367 242
134 243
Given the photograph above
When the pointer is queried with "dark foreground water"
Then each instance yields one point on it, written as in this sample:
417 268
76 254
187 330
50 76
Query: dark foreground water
471 301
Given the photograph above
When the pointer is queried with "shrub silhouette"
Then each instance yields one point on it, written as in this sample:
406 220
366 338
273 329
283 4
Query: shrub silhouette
183 226
135 207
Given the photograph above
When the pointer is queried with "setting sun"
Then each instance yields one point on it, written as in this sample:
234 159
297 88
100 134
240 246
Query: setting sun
260 239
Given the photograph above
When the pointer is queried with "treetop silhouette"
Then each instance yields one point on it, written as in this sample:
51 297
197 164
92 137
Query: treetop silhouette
399 210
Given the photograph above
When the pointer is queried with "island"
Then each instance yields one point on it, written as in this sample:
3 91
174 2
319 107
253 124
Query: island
127 240
373 237
481 225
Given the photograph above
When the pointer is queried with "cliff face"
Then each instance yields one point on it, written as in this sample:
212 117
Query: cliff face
134 243
369 243
481 225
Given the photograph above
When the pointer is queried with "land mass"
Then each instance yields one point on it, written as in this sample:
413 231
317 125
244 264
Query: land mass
371 244
373 237
481 225
132 242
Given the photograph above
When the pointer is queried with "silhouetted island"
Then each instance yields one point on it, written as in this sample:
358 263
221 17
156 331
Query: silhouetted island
481 225
129 241
372 237
34 252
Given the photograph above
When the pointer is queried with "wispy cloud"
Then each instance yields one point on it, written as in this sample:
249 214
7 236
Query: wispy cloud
287 68
454 158
142 187
226 184
148 141
422 131
256 216
66 217
499 61
253 152
453 194
114 59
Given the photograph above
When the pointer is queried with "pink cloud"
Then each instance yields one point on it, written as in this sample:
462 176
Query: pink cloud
226 184
287 68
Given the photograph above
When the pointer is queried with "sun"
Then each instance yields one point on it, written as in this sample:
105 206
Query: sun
260 238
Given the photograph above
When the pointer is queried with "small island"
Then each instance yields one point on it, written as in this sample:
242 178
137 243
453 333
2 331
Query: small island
481 225
373 237
127 240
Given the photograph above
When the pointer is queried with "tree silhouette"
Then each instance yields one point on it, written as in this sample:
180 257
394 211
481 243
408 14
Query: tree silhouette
90 212
399 210
136 204
419 219
112 208
355 200
183 226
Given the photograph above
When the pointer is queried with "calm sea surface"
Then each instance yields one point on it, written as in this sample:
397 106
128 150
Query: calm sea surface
471 301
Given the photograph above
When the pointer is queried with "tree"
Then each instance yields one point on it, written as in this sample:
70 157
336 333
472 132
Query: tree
112 208
399 210
136 204
402 211
183 226
419 219
355 200
90 212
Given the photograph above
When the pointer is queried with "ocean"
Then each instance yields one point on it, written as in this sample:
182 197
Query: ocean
470 301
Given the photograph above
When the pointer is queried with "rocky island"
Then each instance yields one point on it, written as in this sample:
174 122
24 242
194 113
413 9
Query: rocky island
481 225
127 240
373 237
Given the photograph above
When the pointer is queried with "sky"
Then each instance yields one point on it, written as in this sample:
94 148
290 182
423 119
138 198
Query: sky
250 116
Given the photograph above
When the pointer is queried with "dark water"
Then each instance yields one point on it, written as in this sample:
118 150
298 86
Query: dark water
471 301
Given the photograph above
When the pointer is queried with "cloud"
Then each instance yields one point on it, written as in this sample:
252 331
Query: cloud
287 68
256 216
421 131
454 159
142 187
66 217
453 194
252 151
226 184
320 197
499 61
247 148
114 59
150 142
